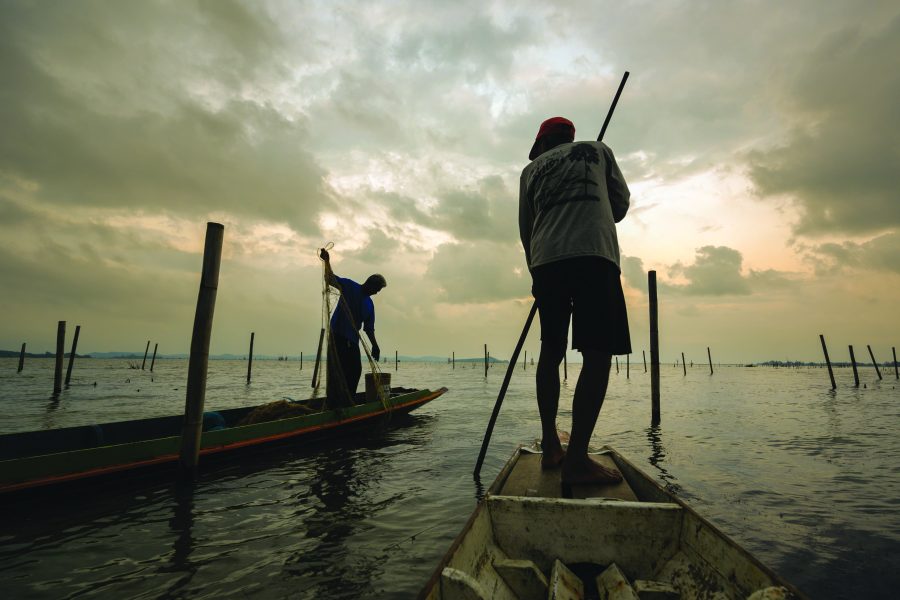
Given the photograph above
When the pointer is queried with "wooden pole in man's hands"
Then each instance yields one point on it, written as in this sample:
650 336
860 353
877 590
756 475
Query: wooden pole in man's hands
509 370
192 426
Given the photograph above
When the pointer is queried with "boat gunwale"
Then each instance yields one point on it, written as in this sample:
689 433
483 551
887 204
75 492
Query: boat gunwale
426 396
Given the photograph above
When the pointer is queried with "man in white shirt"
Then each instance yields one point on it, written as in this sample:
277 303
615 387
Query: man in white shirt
570 197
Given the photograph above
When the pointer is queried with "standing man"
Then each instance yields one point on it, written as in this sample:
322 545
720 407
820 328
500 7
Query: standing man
570 197
355 311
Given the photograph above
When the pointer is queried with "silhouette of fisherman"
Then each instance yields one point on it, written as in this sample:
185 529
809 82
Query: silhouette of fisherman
570 197
355 311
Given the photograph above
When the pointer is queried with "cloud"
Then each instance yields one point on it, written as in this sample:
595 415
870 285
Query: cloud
85 129
841 161
717 271
878 254
486 272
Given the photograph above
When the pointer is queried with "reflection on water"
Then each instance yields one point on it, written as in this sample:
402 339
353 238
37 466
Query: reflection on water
805 478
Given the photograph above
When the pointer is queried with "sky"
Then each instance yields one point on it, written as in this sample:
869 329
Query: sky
759 140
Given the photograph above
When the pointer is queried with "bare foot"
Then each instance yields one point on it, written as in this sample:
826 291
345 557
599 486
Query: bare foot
588 471
553 454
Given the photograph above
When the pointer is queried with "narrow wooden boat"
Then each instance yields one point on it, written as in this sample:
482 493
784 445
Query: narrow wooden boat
42 458
626 541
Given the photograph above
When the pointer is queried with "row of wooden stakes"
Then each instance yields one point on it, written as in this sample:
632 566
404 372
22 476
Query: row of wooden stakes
853 363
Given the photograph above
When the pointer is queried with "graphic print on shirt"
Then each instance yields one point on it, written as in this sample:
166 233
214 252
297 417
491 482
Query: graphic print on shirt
575 183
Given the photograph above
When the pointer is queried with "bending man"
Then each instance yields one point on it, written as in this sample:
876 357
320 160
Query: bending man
570 197
355 311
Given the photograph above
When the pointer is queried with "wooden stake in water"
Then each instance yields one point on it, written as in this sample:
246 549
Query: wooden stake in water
617 365
565 368
72 354
627 366
250 356
683 364
855 372
709 356
396 360
828 361
524 359
485 360
893 350
454 359
192 426
315 381
301 361
874 362
644 353
654 349
146 351
21 358
60 351
153 360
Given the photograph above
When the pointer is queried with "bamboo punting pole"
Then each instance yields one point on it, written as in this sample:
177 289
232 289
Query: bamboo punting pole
893 351
192 426
654 349
828 361
72 354
709 356
644 353
318 358
250 356
21 358
60 350
855 372
683 364
146 350
874 362
503 387
153 360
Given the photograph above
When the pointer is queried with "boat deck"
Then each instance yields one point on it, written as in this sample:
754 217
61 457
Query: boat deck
528 479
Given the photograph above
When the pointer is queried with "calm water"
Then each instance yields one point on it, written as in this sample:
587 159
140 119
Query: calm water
805 478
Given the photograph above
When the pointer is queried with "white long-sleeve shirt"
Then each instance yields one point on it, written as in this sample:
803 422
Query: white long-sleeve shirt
570 199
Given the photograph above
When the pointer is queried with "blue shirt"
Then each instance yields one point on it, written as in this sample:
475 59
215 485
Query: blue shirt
362 311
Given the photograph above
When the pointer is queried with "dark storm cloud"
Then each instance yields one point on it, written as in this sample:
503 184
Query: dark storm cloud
98 110
842 160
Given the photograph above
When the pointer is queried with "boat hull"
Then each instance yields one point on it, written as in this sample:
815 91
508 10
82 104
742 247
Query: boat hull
47 469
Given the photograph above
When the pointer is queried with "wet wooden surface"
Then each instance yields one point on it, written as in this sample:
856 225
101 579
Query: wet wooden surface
529 479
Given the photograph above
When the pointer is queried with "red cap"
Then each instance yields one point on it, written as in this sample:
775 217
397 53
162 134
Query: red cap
552 125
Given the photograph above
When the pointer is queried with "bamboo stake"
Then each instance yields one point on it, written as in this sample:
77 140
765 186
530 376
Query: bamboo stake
72 354
60 350
485 360
21 358
524 360
709 356
396 360
627 366
855 372
250 356
301 360
617 365
198 364
153 360
644 353
318 359
828 361
874 362
146 350
893 350
654 349
683 364
565 368
454 359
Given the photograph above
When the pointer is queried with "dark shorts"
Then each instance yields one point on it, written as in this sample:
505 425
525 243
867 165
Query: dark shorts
588 288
